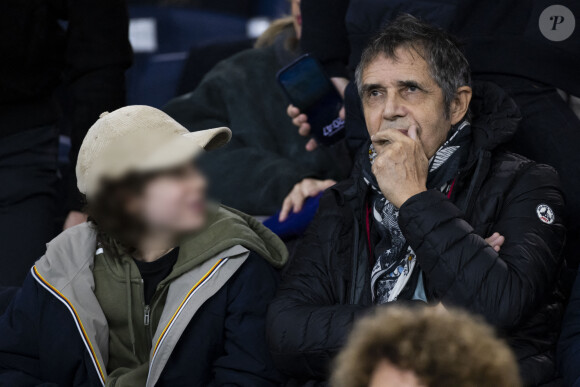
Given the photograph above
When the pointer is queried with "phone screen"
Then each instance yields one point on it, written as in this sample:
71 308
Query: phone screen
308 88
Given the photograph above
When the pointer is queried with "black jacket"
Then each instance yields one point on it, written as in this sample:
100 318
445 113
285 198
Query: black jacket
500 36
44 44
327 285
266 156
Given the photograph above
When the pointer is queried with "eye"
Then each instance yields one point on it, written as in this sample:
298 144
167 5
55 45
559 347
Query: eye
374 93
412 89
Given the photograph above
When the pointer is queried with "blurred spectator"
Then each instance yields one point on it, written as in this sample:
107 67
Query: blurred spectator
160 288
266 159
82 45
424 347
409 224
529 48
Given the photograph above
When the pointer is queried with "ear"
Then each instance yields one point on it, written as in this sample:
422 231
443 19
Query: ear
460 104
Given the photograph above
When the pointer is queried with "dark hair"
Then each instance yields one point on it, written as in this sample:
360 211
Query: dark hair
447 64
117 229
442 348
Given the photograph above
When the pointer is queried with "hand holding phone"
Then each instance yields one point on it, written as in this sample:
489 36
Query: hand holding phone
314 95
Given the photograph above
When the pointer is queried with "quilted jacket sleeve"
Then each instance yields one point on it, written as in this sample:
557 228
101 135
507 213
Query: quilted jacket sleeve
465 271
306 324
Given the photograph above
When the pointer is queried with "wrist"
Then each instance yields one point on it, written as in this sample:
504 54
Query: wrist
401 199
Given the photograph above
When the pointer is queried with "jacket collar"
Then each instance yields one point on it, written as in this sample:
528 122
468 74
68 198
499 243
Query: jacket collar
66 272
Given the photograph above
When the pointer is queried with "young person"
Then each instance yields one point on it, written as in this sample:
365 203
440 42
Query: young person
159 288
424 347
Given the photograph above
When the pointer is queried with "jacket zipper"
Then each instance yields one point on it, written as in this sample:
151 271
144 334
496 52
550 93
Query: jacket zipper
147 315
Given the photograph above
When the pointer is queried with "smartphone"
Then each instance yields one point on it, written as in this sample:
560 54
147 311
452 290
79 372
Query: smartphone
310 90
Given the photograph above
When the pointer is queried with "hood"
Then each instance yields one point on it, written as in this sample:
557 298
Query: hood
227 228
495 116
70 253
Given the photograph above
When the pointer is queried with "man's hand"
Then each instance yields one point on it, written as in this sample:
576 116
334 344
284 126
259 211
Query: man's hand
301 120
74 218
301 191
401 165
496 240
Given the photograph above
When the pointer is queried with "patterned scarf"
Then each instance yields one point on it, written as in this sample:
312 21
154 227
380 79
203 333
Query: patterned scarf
395 258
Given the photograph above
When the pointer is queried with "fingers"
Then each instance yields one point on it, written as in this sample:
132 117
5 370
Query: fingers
286 207
301 191
387 137
326 184
298 119
292 111
413 133
311 145
496 240
292 203
303 125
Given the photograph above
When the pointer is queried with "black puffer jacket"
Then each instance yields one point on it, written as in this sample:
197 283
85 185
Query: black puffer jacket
327 284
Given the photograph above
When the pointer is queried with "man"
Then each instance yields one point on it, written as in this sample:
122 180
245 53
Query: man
424 347
80 47
409 225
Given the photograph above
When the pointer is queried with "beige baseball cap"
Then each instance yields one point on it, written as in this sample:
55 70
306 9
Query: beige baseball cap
138 139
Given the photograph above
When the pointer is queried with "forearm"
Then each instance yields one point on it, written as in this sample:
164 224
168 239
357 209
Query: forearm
463 270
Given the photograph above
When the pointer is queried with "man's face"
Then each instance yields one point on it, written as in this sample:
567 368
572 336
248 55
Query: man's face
400 93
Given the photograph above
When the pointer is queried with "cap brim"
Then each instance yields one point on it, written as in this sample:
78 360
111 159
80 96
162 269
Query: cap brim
185 148
210 139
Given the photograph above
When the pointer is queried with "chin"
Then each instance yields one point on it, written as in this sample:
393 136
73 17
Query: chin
197 223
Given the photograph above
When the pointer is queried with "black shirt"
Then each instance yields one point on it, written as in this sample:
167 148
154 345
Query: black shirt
155 272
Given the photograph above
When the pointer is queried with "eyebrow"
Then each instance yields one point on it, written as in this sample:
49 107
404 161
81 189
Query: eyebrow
403 83
410 83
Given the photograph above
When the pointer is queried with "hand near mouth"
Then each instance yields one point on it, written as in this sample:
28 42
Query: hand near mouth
401 165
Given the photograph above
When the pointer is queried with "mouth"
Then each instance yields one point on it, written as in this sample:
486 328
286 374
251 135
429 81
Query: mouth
299 19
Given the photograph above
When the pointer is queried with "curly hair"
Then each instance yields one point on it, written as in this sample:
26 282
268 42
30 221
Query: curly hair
118 230
441 348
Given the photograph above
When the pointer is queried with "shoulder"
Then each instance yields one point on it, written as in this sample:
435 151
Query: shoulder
253 59
256 268
522 170
255 278
69 253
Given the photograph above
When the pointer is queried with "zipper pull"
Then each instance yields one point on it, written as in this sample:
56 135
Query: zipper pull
147 315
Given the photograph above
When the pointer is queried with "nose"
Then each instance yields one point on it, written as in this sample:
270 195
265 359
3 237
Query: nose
393 108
